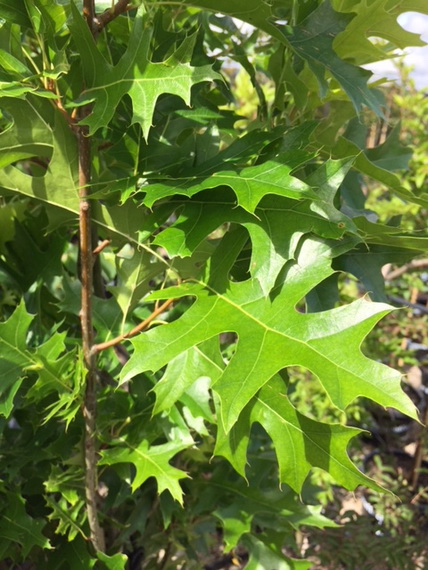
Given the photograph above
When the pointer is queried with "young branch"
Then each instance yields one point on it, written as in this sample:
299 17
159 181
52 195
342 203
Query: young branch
89 408
142 326
102 246
89 14
414 264
86 265
119 8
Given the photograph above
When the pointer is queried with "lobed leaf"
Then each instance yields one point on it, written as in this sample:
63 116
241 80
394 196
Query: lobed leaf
135 75
149 461
273 335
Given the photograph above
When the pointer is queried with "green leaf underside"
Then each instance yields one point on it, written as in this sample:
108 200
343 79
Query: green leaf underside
273 335
375 19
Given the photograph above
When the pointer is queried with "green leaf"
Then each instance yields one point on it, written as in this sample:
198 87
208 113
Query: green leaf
376 19
273 335
16 526
106 314
134 75
283 221
12 65
366 262
115 562
14 12
389 235
300 443
264 555
184 371
135 270
149 461
391 155
38 131
75 553
249 184
16 360
238 507
345 148
313 41
14 357
256 13
69 518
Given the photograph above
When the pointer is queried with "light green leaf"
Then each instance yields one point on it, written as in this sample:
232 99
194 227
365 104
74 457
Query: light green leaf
282 221
235 522
273 335
134 75
69 518
375 19
184 371
13 356
11 64
115 562
300 443
149 461
16 361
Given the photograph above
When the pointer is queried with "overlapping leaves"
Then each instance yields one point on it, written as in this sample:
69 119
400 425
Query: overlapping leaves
273 335
199 217
135 75
278 229
41 136
55 368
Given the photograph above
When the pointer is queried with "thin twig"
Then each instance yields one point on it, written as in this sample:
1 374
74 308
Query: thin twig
106 17
404 302
415 264
101 246
142 326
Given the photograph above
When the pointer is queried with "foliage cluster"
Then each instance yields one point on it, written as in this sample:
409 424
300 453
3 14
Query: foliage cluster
164 261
